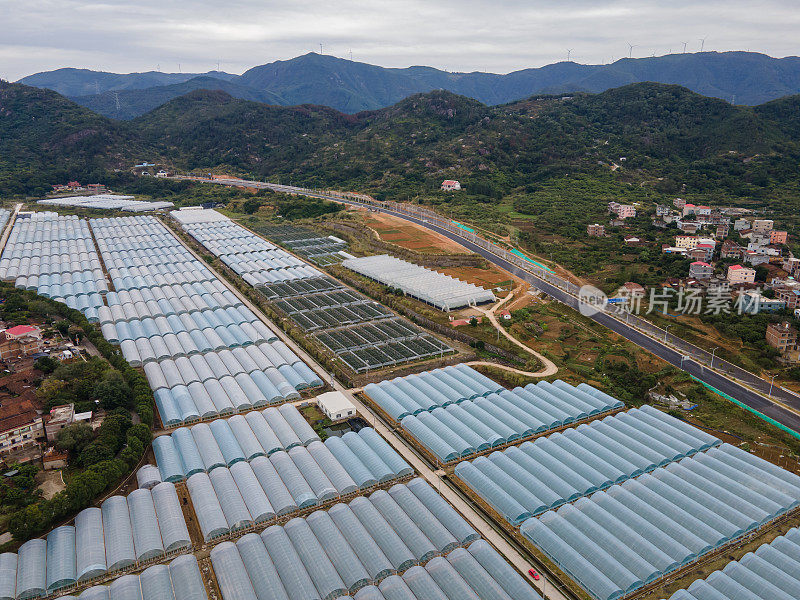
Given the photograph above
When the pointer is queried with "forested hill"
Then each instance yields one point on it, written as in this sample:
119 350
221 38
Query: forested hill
45 138
740 77
653 133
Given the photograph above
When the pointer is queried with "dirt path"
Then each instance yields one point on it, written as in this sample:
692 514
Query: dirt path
549 367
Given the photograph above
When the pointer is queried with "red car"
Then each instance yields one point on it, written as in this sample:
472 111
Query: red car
533 574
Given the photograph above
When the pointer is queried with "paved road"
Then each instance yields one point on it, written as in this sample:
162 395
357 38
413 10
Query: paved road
435 478
750 398
786 412
439 482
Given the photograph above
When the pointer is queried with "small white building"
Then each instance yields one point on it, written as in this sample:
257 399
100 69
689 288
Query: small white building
336 406
450 185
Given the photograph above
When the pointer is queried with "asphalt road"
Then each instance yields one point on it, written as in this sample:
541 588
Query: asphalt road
728 386
720 382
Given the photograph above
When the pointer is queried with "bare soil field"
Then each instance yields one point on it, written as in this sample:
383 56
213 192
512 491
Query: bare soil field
407 235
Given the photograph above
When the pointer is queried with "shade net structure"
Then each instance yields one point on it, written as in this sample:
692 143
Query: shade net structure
107 202
123 534
772 572
631 534
455 412
406 542
181 579
55 257
361 333
245 494
437 289
330 309
204 353
319 249
380 344
529 479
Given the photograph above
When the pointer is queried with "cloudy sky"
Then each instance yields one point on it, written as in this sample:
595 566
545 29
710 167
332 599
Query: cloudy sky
456 35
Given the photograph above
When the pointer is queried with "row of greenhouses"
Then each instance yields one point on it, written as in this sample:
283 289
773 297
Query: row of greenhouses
180 580
204 353
218 383
772 572
457 414
354 548
124 533
241 437
437 289
311 471
526 480
256 492
55 256
108 202
629 535
416 393
256 260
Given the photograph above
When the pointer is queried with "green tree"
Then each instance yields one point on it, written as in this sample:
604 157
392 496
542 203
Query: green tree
250 206
74 438
46 364
113 392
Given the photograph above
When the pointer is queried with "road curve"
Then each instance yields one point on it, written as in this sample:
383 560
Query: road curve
787 418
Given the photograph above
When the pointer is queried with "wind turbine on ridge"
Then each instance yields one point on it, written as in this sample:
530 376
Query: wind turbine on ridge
630 49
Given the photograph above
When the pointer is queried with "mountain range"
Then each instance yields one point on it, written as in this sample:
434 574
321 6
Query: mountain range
350 87
672 139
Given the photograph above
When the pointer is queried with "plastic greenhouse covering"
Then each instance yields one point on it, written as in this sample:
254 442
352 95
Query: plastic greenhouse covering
439 290
284 482
146 533
179 580
630 534
455 412
108 202
204 353
118 533
255 259
233 506
121 534
91 560
365 456
8 573
534 477
221 443
55 256
156 584
344 552
148 477
772 572
171 522
60 562
31 574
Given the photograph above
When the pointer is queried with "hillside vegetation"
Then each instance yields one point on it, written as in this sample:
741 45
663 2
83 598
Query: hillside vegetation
551 160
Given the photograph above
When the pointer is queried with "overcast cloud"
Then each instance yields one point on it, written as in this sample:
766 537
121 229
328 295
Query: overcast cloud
456 35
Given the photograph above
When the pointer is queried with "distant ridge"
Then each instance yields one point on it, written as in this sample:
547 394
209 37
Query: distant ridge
744 77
